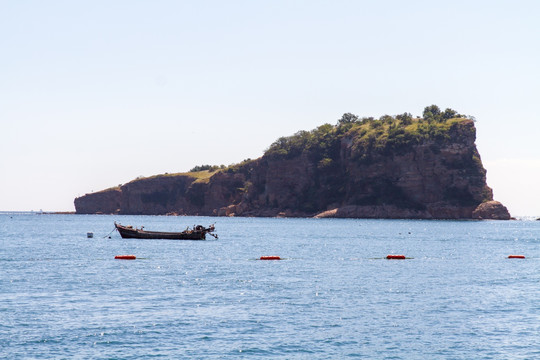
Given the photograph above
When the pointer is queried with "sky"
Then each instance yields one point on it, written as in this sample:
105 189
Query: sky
96 93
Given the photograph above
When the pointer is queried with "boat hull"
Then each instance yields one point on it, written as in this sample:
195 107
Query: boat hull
132 233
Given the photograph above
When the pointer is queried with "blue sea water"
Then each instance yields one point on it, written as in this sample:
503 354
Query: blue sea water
334 295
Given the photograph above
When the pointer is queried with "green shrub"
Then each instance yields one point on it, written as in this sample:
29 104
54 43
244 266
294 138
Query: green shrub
207 168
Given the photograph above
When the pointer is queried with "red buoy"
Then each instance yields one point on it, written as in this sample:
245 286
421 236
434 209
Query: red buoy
125 257
516 256
395 257
270 258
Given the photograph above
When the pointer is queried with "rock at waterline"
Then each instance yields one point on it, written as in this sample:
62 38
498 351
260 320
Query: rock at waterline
493 210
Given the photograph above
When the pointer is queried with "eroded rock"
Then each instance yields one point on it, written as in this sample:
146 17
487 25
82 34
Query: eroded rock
491 210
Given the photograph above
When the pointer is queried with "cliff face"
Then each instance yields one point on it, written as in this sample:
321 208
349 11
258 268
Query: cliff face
345 172
103 202
437 178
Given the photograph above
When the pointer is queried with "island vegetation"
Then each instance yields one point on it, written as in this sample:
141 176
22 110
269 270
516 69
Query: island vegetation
384 135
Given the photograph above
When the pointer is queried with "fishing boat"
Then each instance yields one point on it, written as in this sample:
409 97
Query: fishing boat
196 233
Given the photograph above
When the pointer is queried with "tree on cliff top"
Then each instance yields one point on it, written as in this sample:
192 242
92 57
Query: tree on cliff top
348 118
433 113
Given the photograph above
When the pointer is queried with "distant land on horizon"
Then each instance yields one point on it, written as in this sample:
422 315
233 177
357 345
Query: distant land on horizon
397 167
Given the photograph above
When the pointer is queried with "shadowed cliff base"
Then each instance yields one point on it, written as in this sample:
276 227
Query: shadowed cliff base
398 167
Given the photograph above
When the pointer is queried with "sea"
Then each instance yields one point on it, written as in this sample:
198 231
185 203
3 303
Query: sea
333 294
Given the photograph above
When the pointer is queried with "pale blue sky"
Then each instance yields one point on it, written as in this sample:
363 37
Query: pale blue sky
96 93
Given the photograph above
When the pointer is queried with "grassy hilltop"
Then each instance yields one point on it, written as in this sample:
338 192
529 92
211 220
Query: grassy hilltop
384 135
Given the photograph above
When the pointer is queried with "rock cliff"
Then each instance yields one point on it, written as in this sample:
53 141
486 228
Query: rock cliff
360 168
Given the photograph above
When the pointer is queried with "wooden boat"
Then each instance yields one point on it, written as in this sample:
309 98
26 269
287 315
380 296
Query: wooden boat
197 233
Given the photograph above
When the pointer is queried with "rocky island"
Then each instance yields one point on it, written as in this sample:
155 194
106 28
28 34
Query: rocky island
393 167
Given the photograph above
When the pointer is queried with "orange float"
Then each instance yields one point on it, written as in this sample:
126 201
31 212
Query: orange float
270 258
395 257
516 256
125 257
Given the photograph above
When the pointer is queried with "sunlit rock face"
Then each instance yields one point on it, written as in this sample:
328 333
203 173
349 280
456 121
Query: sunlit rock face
493 210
